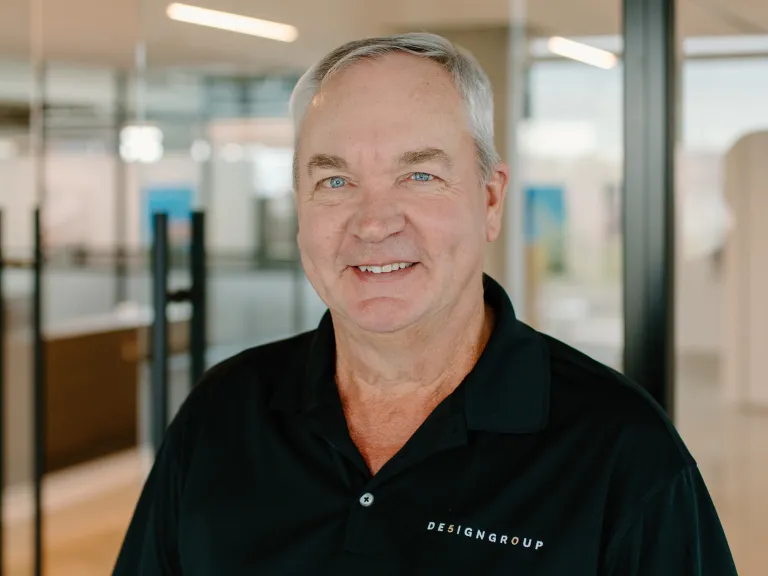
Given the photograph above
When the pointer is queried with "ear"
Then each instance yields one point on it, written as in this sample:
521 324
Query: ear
495 193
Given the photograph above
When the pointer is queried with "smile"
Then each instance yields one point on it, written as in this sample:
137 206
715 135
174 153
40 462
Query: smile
386 268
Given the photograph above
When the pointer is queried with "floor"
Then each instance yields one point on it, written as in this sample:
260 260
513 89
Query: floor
730 444
86 512
88 509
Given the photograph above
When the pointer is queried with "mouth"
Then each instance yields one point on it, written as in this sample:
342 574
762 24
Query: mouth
383 272
385 268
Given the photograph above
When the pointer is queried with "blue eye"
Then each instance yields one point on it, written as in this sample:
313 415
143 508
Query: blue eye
336 182
422 177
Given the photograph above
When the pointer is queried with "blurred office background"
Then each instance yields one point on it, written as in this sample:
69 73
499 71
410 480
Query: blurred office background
110 111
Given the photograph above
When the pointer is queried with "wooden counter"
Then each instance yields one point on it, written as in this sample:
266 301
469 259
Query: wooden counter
93 368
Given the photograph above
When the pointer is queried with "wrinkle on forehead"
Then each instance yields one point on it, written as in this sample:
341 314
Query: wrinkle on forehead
375 110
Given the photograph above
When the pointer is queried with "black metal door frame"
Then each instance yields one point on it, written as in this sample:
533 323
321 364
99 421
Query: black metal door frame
648 201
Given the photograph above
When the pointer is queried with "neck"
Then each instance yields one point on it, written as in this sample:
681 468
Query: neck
397 365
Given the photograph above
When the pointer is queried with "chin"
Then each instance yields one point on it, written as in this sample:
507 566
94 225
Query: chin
383 316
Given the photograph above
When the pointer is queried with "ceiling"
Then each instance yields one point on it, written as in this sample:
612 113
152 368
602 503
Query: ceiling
106 32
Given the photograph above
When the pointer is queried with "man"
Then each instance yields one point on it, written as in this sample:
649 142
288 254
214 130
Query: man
421 429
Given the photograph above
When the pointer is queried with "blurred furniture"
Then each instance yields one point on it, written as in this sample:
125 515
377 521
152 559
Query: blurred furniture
91 378
94 367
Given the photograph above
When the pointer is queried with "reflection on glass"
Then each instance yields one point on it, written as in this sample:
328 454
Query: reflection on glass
571 162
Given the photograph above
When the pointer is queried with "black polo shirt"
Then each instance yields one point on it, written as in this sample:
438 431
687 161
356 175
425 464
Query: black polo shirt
542 462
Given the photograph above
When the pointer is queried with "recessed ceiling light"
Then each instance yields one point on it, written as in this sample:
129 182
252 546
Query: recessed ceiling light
231 22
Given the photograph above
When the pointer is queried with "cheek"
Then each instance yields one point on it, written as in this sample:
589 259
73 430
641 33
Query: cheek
320 234
455 221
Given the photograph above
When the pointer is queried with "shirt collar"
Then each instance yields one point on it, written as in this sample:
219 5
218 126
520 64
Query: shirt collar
507 391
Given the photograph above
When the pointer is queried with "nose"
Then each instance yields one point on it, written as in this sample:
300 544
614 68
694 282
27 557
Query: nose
377 219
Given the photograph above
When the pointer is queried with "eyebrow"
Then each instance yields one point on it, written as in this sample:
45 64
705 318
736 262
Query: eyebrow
319 161
424 155
410 158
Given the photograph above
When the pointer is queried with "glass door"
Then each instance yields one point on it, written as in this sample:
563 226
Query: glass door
565 231
722 269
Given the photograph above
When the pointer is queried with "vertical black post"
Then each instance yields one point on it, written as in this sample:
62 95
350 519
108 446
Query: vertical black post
38 134
2 389
648 203
160 258
40 393
197 336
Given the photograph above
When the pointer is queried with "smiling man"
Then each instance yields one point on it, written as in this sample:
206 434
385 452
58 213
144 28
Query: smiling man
421 429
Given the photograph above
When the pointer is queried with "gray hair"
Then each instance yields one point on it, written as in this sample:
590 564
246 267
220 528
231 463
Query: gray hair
469 78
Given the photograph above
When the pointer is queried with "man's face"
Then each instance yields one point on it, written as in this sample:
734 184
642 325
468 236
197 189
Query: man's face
393 216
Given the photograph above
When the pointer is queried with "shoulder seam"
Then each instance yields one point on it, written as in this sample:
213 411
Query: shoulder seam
592 365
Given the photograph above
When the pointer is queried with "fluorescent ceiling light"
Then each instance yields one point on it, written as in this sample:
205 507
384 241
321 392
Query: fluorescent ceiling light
231 22
539 47
582 52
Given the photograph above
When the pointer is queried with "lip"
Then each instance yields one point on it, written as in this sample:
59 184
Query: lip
383 262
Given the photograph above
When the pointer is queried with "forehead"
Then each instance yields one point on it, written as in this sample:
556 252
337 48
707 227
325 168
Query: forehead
384 106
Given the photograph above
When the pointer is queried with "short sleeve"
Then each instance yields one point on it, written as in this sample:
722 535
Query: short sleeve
150 547
675 532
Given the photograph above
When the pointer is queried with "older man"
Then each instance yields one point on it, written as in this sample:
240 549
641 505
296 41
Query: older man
421 429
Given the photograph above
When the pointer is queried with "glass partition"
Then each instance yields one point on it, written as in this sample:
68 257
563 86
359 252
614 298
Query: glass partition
149 107
571 162
82 56
17 201
721 269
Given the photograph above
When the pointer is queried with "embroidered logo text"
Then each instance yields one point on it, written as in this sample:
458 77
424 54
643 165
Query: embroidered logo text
484 535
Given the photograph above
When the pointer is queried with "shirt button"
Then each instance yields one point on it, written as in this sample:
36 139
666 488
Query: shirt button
366 499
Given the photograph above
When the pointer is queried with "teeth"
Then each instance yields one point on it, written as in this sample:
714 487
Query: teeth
386 267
